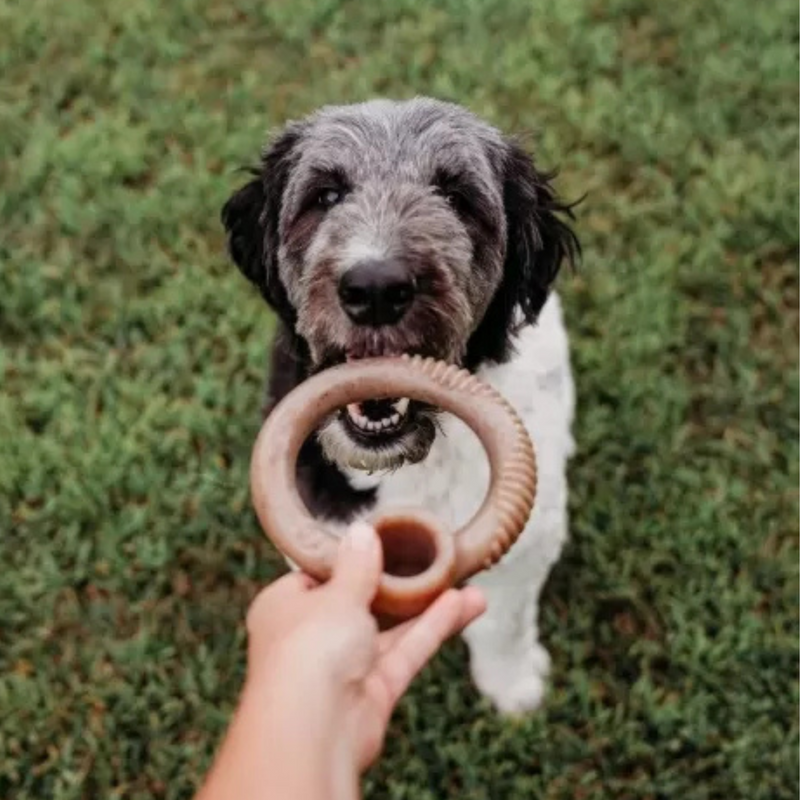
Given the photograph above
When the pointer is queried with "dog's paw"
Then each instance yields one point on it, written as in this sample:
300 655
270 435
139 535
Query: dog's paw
514 686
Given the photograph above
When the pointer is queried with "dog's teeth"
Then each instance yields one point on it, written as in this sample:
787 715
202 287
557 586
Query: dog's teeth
364 423
357 418
401 406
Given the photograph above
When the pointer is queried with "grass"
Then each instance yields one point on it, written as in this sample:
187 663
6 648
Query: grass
131 367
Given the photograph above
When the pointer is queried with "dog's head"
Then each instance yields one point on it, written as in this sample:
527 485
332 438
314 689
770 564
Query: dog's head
397 227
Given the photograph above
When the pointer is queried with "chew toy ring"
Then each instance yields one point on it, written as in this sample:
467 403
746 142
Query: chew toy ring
421 558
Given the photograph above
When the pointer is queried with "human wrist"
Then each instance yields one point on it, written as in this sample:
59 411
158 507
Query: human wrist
302 721
297 693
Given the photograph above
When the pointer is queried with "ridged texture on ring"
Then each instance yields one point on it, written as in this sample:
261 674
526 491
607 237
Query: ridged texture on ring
516 481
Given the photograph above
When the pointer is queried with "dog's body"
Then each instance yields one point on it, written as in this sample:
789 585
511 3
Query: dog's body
415 227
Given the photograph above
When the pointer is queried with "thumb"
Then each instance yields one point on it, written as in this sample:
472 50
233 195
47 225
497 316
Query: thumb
359 564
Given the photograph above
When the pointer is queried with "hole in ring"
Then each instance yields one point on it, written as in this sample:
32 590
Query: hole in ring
409 548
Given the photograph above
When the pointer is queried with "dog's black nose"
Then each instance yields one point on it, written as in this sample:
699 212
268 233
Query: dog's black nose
376 292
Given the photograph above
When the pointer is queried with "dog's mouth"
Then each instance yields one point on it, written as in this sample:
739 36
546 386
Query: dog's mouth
378 421
378 433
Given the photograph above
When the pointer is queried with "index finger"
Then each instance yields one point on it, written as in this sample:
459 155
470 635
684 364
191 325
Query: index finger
451 612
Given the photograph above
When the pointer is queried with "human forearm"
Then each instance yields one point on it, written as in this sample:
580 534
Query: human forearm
283 746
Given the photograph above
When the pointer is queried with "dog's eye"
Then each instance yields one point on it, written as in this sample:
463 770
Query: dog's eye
450 196
328 198
455 200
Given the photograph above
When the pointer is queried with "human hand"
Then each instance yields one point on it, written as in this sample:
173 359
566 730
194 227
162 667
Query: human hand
322 647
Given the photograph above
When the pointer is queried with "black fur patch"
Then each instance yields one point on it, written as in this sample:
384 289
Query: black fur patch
251 218
322 485
538 242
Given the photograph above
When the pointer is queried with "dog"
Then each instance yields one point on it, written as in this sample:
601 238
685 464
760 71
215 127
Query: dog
391 227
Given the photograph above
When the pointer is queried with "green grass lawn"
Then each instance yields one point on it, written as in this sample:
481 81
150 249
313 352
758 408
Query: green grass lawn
132 358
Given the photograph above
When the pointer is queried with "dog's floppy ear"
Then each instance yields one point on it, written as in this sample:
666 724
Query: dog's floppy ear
241 216
251 218
539 240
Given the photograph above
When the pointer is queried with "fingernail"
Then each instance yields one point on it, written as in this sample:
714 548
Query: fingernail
361 536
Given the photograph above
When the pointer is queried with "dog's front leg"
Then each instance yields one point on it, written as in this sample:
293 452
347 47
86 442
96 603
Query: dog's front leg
508 664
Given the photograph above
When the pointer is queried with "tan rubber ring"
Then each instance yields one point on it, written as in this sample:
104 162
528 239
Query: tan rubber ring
449 558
